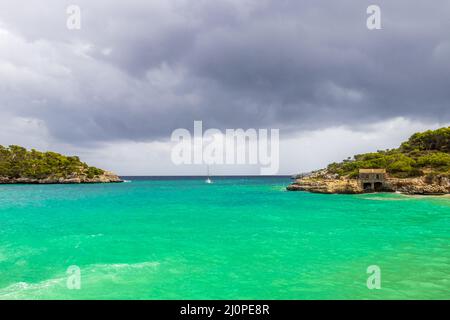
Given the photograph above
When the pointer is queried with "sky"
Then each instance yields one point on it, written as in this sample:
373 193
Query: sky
114 90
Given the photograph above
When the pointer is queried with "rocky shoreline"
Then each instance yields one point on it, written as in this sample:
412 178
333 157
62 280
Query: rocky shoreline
329 184
106 177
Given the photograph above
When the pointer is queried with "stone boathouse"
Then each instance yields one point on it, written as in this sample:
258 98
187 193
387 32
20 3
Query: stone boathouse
372 179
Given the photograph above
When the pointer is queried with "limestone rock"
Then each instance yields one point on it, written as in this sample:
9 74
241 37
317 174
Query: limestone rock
324 184
106 177
346 186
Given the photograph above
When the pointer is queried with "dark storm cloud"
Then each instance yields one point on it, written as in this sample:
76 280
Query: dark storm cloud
139 69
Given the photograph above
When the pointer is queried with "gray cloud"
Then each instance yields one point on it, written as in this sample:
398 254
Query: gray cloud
139 69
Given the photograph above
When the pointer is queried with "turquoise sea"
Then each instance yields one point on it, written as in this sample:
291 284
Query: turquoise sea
238 238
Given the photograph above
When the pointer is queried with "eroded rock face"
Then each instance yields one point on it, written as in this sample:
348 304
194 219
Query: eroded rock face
345 186
106 177
421 185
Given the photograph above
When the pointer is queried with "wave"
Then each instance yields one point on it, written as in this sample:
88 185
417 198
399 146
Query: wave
385 199
121 266
96 235
89 274
19 290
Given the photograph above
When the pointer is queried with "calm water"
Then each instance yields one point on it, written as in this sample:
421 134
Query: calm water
240 238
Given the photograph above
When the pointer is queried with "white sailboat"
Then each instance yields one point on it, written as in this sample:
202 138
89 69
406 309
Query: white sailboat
208 178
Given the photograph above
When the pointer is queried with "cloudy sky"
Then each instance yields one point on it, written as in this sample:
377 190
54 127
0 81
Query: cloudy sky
114 91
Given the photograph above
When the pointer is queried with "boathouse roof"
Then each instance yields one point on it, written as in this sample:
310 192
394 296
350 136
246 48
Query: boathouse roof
372 170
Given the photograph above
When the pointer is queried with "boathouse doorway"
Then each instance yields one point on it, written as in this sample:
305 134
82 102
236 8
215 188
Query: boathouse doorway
378 186
367 186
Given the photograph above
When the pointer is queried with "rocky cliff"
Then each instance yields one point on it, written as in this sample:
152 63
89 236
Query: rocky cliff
105 177
345 186
420 185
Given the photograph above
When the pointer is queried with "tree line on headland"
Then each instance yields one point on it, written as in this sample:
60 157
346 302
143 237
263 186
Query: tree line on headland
425 153
18 162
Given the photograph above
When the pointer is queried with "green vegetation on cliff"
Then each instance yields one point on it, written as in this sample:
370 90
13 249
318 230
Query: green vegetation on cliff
18 162
425 153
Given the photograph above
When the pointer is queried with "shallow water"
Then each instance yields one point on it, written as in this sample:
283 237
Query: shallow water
239 238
